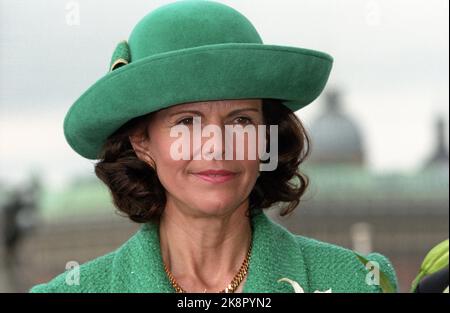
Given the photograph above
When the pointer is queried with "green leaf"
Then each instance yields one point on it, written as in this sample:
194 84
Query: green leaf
436 259
385 284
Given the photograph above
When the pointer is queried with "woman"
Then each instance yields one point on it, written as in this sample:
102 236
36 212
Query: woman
194 63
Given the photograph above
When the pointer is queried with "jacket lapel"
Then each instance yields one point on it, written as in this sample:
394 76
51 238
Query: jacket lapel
138 265
276 254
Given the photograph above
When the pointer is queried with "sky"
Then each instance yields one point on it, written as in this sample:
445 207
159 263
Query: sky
390 61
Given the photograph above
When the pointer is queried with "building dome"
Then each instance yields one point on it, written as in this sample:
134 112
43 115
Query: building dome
335 138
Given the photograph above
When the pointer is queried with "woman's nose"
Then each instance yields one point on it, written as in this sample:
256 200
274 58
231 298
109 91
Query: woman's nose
213 144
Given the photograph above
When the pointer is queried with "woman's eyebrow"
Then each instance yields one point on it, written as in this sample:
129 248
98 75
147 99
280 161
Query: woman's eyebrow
243 110
202 114
186 111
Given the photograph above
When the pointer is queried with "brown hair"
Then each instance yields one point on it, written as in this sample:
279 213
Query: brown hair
138 193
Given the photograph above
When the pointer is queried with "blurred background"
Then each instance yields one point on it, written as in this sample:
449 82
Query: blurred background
380 139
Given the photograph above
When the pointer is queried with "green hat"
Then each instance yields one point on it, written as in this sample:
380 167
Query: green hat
189 51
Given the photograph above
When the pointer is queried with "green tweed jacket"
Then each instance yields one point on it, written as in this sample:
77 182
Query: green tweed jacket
137 266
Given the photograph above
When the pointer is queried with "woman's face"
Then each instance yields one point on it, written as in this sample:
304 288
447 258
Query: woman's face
187 188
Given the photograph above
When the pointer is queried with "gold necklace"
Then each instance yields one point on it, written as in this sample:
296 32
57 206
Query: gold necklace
232 286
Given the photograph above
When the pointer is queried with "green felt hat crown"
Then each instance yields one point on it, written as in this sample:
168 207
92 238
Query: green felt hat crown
188 51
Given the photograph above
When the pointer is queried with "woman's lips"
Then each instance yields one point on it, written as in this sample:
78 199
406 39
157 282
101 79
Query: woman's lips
215 176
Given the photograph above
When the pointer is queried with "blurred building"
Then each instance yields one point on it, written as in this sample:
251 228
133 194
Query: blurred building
401 215
439 158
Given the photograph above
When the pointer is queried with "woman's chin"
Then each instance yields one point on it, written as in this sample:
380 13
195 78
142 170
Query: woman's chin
215 207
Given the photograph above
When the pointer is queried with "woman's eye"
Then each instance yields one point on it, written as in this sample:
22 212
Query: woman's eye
186 121
243 120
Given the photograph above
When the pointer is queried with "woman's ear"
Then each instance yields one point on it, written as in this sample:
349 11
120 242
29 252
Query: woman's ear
140 147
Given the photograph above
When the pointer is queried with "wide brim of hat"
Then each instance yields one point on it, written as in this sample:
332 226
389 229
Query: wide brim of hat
215 72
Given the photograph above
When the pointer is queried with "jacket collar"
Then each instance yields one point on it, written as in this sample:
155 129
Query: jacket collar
276 254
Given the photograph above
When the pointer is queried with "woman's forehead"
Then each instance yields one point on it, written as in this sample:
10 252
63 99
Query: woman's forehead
216 105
